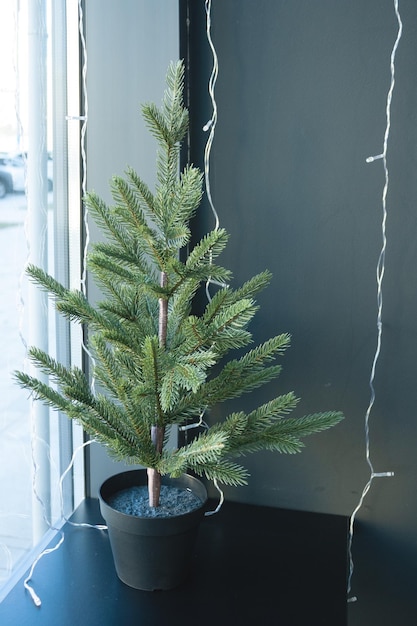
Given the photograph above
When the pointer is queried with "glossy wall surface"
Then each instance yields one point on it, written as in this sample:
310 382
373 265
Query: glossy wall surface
301 96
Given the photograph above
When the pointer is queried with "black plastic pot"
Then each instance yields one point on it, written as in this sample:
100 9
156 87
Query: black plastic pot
151 553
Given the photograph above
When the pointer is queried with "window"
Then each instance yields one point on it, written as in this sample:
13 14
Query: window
39 180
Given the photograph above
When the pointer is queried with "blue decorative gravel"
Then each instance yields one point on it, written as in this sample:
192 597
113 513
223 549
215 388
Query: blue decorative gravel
173 501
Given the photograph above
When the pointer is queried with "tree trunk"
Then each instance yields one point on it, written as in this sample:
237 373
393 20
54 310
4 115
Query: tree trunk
163 314
154 477
154 487
157 432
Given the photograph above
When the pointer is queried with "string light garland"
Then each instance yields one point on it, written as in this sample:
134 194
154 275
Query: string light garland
210 127
379 278
84 119
61 491
211 124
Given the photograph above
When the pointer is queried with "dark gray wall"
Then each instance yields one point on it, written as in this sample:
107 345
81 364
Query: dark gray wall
301 97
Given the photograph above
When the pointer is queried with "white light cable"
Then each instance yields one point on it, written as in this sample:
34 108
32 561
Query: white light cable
36 599
35 438
211 126
200 422
78 524
379 277
221 500
84 120
52 527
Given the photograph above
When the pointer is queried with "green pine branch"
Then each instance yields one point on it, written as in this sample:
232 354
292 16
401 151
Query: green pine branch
156 362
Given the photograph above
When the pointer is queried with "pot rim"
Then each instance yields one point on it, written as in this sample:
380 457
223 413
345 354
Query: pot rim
138 477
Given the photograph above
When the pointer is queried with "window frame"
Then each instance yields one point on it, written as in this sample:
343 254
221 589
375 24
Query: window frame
68 244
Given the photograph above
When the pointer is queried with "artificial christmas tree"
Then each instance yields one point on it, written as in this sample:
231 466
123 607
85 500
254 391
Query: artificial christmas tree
153 358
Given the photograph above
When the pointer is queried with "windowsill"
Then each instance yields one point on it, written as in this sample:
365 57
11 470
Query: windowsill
251 565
